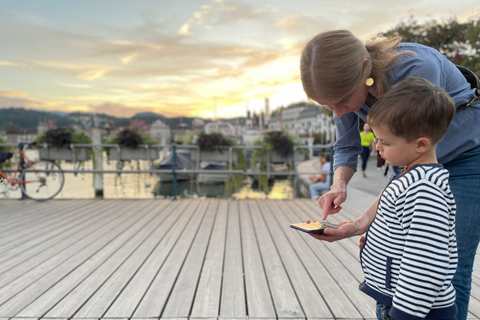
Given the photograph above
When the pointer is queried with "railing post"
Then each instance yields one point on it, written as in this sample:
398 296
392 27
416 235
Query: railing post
331 164
97 162
174 173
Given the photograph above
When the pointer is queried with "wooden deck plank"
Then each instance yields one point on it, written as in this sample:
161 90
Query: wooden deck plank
22 222
129 289
157 295
258 297
320 295
79 265
192 259
209 290
336 266
109 257
181 298
117 271
283 294
36 255
233 303
49 242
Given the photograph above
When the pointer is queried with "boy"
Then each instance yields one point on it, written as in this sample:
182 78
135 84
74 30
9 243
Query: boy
409 255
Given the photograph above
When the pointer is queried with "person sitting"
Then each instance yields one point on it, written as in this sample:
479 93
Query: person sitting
322 181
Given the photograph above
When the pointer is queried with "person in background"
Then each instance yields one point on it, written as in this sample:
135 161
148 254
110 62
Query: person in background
340 71
322 181
367 138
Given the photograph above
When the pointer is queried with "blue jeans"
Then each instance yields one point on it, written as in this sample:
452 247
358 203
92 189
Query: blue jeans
365 155
465 186
383 312
315 188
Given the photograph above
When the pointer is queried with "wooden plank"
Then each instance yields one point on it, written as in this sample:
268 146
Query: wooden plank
50 241
131 284
99 266
150 300
283 294
233 303
319 294
180 302
92 253
336 265
258 296
207 296
30 259
38 214
120 267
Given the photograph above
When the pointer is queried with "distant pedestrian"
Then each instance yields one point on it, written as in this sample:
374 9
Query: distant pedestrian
368 145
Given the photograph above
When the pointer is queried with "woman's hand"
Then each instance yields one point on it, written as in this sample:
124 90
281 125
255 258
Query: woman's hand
330 202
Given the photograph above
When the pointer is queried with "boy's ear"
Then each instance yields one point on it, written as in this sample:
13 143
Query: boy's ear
423 144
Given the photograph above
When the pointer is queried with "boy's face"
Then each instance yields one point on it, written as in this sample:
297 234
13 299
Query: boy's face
396 150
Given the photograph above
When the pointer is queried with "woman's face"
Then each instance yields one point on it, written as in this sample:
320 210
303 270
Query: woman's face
349 104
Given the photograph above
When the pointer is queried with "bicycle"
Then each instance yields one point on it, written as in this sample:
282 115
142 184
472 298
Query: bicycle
40 180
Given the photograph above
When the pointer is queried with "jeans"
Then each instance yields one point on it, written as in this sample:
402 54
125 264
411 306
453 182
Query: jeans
465 186
383 312
365 155
315 188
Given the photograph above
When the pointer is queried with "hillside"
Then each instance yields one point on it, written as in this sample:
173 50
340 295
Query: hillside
26 120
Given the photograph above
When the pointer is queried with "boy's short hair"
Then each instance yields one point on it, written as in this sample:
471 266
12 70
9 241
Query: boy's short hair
414 108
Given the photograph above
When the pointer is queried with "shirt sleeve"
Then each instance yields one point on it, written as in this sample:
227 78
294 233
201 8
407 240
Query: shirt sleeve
348 145
424 266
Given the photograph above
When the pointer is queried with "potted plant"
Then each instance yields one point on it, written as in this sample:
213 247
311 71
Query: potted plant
131 143
214 147
276 147
5 155
56 144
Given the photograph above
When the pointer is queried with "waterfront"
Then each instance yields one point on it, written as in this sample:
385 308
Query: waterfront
149 186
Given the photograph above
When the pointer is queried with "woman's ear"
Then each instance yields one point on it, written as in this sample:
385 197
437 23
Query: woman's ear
423 144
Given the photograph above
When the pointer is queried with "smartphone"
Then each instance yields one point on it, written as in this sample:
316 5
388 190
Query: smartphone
313 227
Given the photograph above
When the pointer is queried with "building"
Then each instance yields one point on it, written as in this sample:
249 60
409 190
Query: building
160 132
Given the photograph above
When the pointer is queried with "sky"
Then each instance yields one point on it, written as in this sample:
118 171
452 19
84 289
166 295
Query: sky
194 58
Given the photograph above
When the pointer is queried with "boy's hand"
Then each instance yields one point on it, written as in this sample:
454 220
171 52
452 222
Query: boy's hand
347 229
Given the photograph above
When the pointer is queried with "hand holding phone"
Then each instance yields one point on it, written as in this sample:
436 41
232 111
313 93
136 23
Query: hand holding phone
313 227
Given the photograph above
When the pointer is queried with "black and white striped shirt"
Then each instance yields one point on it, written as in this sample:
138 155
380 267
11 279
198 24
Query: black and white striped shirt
410 251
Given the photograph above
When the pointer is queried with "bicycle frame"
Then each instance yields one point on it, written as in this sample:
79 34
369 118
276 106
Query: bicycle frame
23 159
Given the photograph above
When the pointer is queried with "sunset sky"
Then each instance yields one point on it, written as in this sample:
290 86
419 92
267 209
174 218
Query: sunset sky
196 58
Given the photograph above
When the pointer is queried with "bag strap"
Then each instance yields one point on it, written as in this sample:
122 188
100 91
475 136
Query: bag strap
471 78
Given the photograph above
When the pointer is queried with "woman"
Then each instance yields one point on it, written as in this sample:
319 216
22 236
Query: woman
342 73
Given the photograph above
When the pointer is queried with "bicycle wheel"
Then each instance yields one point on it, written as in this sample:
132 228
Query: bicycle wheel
43 180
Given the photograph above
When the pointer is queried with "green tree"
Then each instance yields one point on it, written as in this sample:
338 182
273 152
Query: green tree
458 41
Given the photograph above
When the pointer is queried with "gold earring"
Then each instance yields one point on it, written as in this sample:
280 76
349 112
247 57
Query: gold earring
369 82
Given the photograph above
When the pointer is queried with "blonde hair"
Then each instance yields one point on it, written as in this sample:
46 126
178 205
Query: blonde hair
335 63
414 108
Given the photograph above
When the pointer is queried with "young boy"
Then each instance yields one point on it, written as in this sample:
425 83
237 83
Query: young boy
409 255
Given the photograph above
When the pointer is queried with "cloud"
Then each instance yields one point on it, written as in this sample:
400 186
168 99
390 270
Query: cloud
12 64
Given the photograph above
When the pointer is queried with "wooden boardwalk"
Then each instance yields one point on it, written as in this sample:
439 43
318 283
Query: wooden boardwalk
186 259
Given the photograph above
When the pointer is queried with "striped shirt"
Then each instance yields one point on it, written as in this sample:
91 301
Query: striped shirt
410 252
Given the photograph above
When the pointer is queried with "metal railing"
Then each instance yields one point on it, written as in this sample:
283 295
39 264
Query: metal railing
174 171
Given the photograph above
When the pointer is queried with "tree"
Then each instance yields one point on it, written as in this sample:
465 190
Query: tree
459 42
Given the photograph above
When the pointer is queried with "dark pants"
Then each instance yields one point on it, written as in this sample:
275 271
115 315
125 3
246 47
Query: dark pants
365 155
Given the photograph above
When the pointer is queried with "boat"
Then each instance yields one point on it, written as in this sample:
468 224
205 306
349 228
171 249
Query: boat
183 162
212 177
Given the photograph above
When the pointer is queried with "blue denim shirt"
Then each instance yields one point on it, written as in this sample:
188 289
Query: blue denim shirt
464 131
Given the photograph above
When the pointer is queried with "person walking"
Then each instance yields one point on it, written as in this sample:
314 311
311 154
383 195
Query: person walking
367 139
340 71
